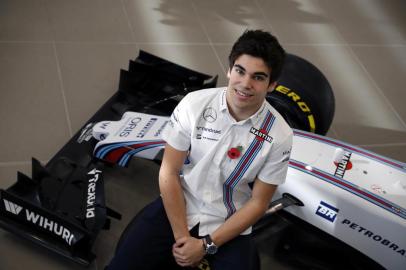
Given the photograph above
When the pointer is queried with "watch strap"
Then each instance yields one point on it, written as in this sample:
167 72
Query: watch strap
209 245
208 240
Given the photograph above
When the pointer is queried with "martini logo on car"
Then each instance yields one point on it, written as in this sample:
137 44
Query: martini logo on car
12 207
327 211
342 161
91 193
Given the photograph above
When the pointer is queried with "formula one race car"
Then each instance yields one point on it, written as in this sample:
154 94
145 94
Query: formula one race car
353 198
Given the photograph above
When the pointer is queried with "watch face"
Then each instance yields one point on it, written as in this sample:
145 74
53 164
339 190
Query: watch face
211 249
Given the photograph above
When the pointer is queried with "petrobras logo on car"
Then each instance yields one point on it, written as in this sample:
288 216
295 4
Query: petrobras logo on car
363 231
327 211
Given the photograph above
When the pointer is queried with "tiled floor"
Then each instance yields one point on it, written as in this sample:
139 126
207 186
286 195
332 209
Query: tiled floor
60 60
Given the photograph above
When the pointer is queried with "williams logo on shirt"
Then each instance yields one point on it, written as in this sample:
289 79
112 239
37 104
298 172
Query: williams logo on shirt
261 135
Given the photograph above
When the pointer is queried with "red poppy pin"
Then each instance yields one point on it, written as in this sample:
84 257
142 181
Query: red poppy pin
234 152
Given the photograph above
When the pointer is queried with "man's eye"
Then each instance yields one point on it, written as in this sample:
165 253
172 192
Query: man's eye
259 78
239 71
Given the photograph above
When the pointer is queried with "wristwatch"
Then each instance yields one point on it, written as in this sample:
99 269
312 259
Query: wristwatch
209 246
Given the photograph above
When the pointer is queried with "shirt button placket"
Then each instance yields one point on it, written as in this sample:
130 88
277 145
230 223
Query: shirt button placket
206 195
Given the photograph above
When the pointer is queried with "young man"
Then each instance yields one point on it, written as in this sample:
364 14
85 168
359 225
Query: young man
218 142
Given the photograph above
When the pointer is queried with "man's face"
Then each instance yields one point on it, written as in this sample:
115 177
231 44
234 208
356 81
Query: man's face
247 86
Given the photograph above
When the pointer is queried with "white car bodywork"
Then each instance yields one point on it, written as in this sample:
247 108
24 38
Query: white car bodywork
355 195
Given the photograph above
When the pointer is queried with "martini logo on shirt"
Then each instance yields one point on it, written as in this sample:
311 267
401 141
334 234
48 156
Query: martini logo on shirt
261 135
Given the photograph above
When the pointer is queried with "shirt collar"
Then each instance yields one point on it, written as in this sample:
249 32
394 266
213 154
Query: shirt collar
223 102
258 113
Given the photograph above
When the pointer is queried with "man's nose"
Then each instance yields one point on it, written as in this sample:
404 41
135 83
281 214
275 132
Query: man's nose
246 82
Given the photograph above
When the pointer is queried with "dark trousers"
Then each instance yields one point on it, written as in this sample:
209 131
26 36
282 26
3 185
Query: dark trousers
147 244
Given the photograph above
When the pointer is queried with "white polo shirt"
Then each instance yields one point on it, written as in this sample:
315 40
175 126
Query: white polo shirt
216 185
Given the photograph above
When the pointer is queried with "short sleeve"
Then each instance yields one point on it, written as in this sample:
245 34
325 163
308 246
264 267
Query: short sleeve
276 166
178 131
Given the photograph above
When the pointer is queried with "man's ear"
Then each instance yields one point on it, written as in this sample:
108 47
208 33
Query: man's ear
272 86
228 73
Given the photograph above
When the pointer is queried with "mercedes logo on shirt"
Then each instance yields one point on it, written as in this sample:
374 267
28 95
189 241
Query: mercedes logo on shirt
210 115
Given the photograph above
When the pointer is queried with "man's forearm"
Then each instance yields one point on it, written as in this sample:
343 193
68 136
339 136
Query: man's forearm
248 215
174 203
241 220
171 190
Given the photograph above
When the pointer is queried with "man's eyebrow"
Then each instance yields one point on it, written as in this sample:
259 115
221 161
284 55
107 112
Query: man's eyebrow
240 67
259 73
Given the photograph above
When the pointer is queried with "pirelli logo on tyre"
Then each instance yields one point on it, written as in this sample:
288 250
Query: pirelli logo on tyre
304 107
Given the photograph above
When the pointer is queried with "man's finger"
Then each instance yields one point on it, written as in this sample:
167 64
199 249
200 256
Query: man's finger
178 244
182 263
178 251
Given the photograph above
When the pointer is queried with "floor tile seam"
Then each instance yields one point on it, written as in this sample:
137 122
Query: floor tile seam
371 79
135 42
208 38
378 89
261 10
177 43
83 42
69 42
62 89
345 44
334 132
381 145
258 6
16 163
321 44
26 41
373 45
127 18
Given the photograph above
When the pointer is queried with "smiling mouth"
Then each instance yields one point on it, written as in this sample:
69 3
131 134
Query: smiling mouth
242 94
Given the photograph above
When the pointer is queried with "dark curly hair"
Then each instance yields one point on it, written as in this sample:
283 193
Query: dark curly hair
261 44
